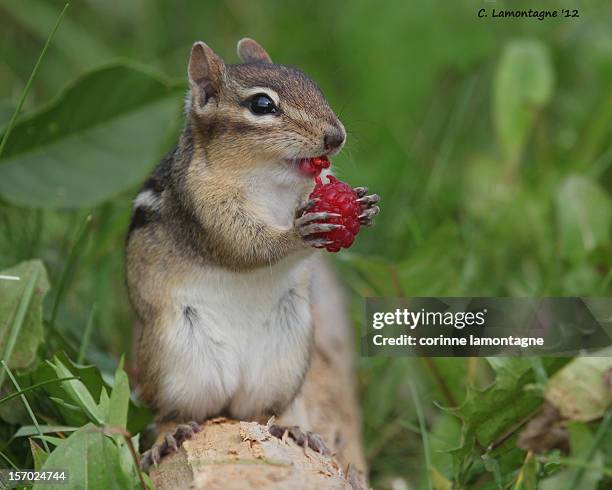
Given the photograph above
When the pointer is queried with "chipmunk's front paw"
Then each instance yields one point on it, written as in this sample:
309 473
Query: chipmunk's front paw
304 439
170 444
369 209
309 225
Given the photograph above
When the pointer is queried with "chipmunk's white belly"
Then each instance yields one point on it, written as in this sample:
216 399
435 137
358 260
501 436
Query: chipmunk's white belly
245 346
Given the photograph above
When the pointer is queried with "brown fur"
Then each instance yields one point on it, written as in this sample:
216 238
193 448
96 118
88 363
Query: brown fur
202 213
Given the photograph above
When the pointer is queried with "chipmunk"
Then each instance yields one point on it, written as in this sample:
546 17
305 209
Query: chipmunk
220 243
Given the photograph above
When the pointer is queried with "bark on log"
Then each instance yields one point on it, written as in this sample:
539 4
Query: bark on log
229 454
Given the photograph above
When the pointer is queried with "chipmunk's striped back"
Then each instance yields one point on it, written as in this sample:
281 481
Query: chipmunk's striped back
220 242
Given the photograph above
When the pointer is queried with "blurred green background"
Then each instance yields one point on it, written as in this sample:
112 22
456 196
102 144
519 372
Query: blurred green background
489 140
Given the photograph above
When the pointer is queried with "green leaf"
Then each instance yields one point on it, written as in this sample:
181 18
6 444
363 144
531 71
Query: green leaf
78 393
101 136
584 212
528 478
492 465
30 430
56 441
10 397
68 406
127 460
139 416
119 399
444 436
88 375
489 414
91 459
21 327
38 455
103 403
523 84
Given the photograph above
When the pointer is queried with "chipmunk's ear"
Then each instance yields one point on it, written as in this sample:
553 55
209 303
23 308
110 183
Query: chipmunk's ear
206 71
250 51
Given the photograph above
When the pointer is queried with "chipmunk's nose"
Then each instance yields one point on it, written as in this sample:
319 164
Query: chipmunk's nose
333 139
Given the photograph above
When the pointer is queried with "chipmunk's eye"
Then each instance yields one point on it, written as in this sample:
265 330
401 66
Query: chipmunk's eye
262 104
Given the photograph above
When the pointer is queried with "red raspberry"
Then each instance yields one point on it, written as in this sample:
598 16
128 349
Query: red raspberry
337 197
314 166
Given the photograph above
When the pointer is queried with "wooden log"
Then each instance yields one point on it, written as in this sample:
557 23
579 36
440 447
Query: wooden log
229 454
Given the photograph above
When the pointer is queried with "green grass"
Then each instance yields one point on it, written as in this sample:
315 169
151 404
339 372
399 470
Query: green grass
25 403
26 90
17 323
420 87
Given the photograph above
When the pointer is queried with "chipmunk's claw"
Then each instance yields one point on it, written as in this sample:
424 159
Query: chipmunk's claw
305 207
368 200
318 242
309 225
368 205
361 191
304 439
315 441
170 444
310 217
318 228
369 209
149 458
